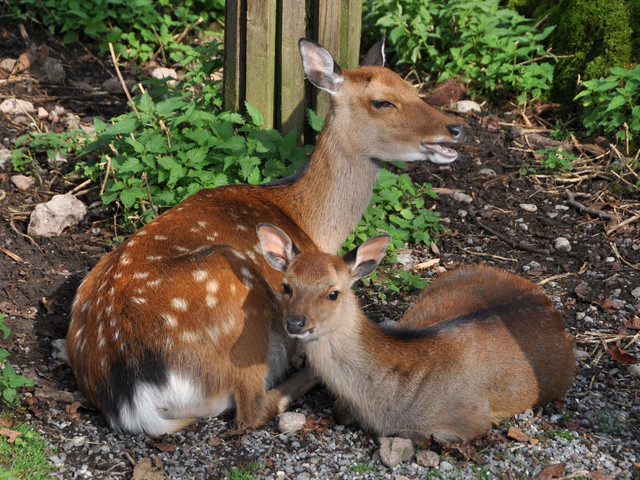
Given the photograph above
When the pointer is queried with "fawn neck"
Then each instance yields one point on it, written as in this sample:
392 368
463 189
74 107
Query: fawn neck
331 194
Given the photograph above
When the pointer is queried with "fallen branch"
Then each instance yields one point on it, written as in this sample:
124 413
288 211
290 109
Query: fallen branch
571 199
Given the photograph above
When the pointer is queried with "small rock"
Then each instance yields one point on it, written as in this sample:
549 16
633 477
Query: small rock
51 218
14 106
634 370
42 113
561 244
114 86
405 259
291 422
7 64
528 207
59 349
635 292
21 182
467 106
487 172
427 458
394 450
462 197
163 72
5 155
581 355
462 213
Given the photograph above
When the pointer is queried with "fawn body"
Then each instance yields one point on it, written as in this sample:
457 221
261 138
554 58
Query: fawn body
480 345
183 319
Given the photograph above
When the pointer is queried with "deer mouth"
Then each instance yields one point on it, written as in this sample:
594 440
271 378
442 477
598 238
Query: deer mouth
304 335
439 153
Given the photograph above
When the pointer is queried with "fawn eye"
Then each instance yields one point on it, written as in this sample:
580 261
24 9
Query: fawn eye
286 289
333 295
382 104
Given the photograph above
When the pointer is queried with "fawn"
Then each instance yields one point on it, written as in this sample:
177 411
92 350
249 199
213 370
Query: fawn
182 320
480 345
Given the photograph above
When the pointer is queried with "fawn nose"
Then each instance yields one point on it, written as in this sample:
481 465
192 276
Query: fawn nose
458 131
295 323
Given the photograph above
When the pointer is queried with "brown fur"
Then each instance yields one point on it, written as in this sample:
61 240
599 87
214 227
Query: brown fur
185 314
480 345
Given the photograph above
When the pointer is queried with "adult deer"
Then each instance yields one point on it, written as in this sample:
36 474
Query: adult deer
480 345
183 319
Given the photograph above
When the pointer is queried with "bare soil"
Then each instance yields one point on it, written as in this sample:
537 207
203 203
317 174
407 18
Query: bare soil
594 207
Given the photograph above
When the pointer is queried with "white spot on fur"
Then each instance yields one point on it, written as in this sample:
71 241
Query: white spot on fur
86 306
211 300
212 333
112 291
201 223
213 286
118 275
142 232
116 335
213 237
241 227
170 320
104 284
81 345
139 300
124 259
160 237
189 336
131 242
154 283
140 275
200 275
103 363
102 342
154 258
112 323
100 330
79 332
181 248
180 304
109 309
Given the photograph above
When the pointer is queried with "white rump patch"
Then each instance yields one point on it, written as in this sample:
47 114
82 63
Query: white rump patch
154 407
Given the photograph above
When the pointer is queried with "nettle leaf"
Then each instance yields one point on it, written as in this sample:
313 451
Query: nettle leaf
201 137
616 102
234 144
170 105
131 195
315 121
123 126
145 104
254 114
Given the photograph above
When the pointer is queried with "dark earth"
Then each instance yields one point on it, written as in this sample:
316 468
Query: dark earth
595 206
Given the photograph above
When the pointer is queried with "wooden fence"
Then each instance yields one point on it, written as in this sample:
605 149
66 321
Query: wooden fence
262 63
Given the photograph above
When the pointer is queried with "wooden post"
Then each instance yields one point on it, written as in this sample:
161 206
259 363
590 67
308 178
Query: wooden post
262 63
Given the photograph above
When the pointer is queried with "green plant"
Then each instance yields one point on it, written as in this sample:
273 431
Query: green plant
178 143
496 49
10 381
51 144
26 458
137 28
398 208
564 434
609 423
241 473
612 104
361 468
554 159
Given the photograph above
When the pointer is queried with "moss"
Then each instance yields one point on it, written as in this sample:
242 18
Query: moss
598 34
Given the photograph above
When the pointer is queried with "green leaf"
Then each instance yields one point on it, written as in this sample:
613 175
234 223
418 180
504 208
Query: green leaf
123 127
255 115
315 121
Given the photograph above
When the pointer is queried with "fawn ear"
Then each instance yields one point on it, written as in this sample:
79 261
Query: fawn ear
363 260
320 67
277 247
375 56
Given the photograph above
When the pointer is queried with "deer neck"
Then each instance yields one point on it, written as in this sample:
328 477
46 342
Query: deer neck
332 193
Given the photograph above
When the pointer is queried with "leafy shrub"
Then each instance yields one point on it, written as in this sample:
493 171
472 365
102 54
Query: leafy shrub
611 103
137 28
10 381
494 48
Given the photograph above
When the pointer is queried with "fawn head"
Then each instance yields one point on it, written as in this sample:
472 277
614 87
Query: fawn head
377 108
317 286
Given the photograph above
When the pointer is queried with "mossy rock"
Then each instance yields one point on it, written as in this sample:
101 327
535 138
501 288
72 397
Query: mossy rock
598 34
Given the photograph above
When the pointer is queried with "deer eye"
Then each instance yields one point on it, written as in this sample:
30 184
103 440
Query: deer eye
286 289
382 104
333 296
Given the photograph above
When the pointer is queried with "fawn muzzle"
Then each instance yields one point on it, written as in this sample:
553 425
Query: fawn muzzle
295 324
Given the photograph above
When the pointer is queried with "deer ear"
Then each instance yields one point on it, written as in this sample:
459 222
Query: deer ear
277 247
375 56
320 67
363 260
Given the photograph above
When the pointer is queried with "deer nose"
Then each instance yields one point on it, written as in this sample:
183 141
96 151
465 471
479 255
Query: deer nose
458 131
295 323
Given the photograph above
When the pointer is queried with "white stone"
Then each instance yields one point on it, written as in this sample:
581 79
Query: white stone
59 349
5 155
561 244
462 197
405 259
528 207
51 218
467 106
634 370
21 182
163 72
487 172
394 450
42 113
581 355
291 422
427 458
14 106
636 292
